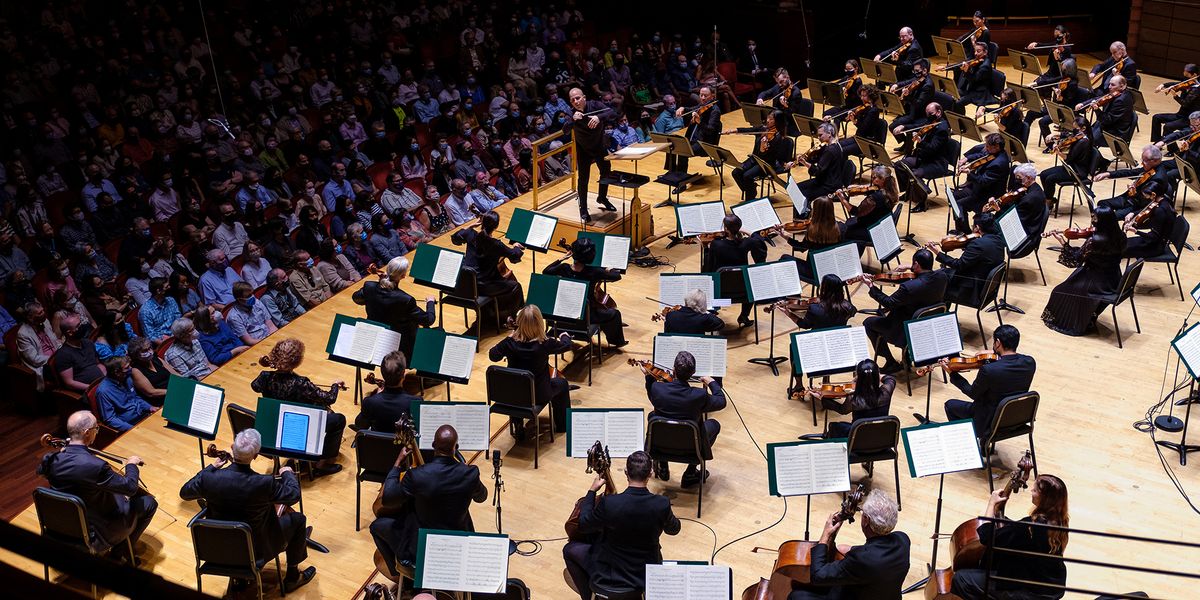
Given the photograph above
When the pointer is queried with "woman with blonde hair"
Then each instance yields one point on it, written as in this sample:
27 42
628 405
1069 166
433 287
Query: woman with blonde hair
876 205
284 384
528 348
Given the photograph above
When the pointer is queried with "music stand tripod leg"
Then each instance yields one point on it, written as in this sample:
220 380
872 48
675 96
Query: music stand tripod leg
1182 447
770 360
937 534
1001 303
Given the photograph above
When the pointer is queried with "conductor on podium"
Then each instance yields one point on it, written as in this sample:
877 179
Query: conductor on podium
587 126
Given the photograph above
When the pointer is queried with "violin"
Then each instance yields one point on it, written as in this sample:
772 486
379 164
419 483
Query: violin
708 238
809 155
1178 88
1095 103
858 190
957 242
1143 216
791 305
911 86
411 383
902 48
214 452
662 315
797 226
764 140
828 390
973 34
918 133
895 276
1065 144
1073 233
998 204
1141 180
598 461
976 164
1061 88
658 373
965 65
1098 77
959 364
1004 111
793 566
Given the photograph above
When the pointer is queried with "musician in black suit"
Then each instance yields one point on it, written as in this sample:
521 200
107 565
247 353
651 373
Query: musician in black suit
435 495
771 145
975 81
389 404
852 87
868 122
906 58
583 252
1150 238
586 124
1031 205
484 253
387 303
1010 375
629 525
1080 155
730 250
831 309
1183 149
969 271
703 125
1116 116
1149 171
874 570
677 399
928 288
1127 70
984 181
238 493
115 507
825 174
979 34
1187 96
1058 54
1068 95
915 102
528 348
929 158
790 103
693 317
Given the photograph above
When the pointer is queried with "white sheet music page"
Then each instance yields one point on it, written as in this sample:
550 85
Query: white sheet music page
465 563
953 203
587 426
363 346
799 202
757 215
943 449
817 468
673 288
624 432
688 582
615 253
763 282
206 408
458 355
934 338
884 237
569 298
386 342
700 218
448 266
842 261
541 229
1012 229
1188 347
833 349
343 345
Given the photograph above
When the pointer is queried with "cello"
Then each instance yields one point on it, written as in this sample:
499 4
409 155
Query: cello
406 435
794 563
965 547
599 462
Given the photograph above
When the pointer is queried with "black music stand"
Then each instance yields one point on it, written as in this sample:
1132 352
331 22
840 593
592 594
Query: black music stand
755 114
946 86
878 70
721 156
1139 101
1025 62
1171 423
874 151
892 104
908 236
948 48
1029 97
1060 114
674 180
826 93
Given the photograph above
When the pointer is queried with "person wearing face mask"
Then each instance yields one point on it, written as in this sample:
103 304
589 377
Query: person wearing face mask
467 163
384 243
92 262
137 244
308 283
120 405
149 374
398 197
554 103
485 195
618 75
787 97
158 313
77 232
14 263
426 107
281 302
334 267
97 184
412 164
272 156
752 63
623 134
164 200
76 361
216 284
36 341
668 121
253 268
186 355
249 319
230 236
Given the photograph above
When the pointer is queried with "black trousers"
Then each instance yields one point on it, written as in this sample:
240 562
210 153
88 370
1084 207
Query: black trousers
294 525
585 173
967 204
1054 177
609 322
335 426
388 534
575 555
1164 123
747 176
142 507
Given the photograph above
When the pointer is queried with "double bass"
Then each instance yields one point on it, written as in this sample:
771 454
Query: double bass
965 547
49 441
599 462
406 435
793 566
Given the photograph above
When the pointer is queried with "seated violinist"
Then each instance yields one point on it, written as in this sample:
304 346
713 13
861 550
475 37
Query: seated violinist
825 165
975 83
875 569
830 309
987 167
1115 114
677 399
969 271
929 158
867 118
1011 374
927 288
693 317
390 402
872 397
1150 227
1031 203
880 198
484 254
1149 171
770 145
583 251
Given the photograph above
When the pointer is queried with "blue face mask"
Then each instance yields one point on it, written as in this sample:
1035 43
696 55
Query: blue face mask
363 236
514 113
338 248
144 232
309 263
250 302
415 147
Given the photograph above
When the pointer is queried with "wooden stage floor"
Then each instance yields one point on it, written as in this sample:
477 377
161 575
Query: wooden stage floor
1092 394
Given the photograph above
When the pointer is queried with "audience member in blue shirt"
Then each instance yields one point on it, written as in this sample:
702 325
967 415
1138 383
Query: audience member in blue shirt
338 185
218 341
249 318
667 122
120 406
254 196
216 284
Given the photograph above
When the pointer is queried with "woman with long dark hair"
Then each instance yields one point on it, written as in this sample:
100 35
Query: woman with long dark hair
733 248
1072 310
872 398
832 308
876 205
484 253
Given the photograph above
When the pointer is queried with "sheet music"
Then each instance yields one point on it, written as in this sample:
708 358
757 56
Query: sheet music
362 345
774 280
471 421
832 350
206 408
688 582
945 449
953 203
568 299
1188 347
884 237
458 355
1012 229
448 265
343 345
799 202
541 229
622 431
757 215
709 352
934 338
803 469
465 563
673 288
706 217
615 253
842 261
631 152
386 342
301 428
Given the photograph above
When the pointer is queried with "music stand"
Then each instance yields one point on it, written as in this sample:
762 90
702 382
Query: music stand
963 126
755 114
878 70
1061 114
950 49
1120 150
874 151
680 146
1025 62
768 174
908 236
826 93
892 104
946 86
720 156
1029 97
1139 101
1014 148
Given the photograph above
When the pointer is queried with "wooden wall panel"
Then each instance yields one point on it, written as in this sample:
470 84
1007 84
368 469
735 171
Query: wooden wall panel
1168 38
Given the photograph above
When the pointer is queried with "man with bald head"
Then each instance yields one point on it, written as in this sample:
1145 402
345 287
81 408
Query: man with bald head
1118 54
904 55
586 124
116 509
435 495
1116 116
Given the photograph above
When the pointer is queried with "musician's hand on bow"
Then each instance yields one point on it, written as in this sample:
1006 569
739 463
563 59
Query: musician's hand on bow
934 247
1079 106
1161 87
564 338
1101 176
1031 46
728 131
430 299
134 460
761 102
877 57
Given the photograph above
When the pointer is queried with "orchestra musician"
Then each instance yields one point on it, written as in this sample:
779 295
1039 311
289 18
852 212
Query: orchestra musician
1149 171
787 97
629 525
978 34
1116 116
1187 151
831 308
823 231
996 380
435 495
677 399
693 317
969 271
868 120
1066 92
1032 202
390 403
1080 154
1072 307
1049 497
915 102
237 493
985 181
586 125
825 175
904 55
528 348
1184 93
872 397
730 249
929 157
874 570
1127 70
771 145
704 125
583 252
1150 237
928 288
852 85
1011 122
387 303
284 384
484 253
877 204
1060 52
975 80
116 508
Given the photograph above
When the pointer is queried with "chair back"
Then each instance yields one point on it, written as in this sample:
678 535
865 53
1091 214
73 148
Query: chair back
896 212
676 440
993 52
849 172
992 286
62 517
1180 231
1129 280
927 311
163 346
374 453
999 79
874 435
1034 239
223 544
953 148
511 387
240 418
728 71
943 99
1188 173
1014 412
1120 149
466 288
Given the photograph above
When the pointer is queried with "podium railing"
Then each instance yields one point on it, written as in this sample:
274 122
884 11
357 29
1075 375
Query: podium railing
568 147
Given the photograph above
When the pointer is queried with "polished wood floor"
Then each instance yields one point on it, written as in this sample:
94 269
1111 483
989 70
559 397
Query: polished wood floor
1092 394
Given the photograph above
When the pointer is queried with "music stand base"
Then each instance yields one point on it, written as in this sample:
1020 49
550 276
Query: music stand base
770 361
1181 448
1168 423
922 419
916 586
910 238
315 545
667 202
1003 305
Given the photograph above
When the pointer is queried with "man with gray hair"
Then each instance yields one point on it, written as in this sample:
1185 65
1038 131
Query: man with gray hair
693 317
238 493
281 301
1188 97
1031 204
1118 64
216 283
1186 146
1149 171
116 508
875 569
186 355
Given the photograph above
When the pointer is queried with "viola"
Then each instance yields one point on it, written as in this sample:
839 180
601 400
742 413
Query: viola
214 452
791 305
959 364
598 461
1143 216
1074 233
649 368
662 315
797 226
826 390
957 242
895 276
998 204
411 383
1099 102
1141 180
858 190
